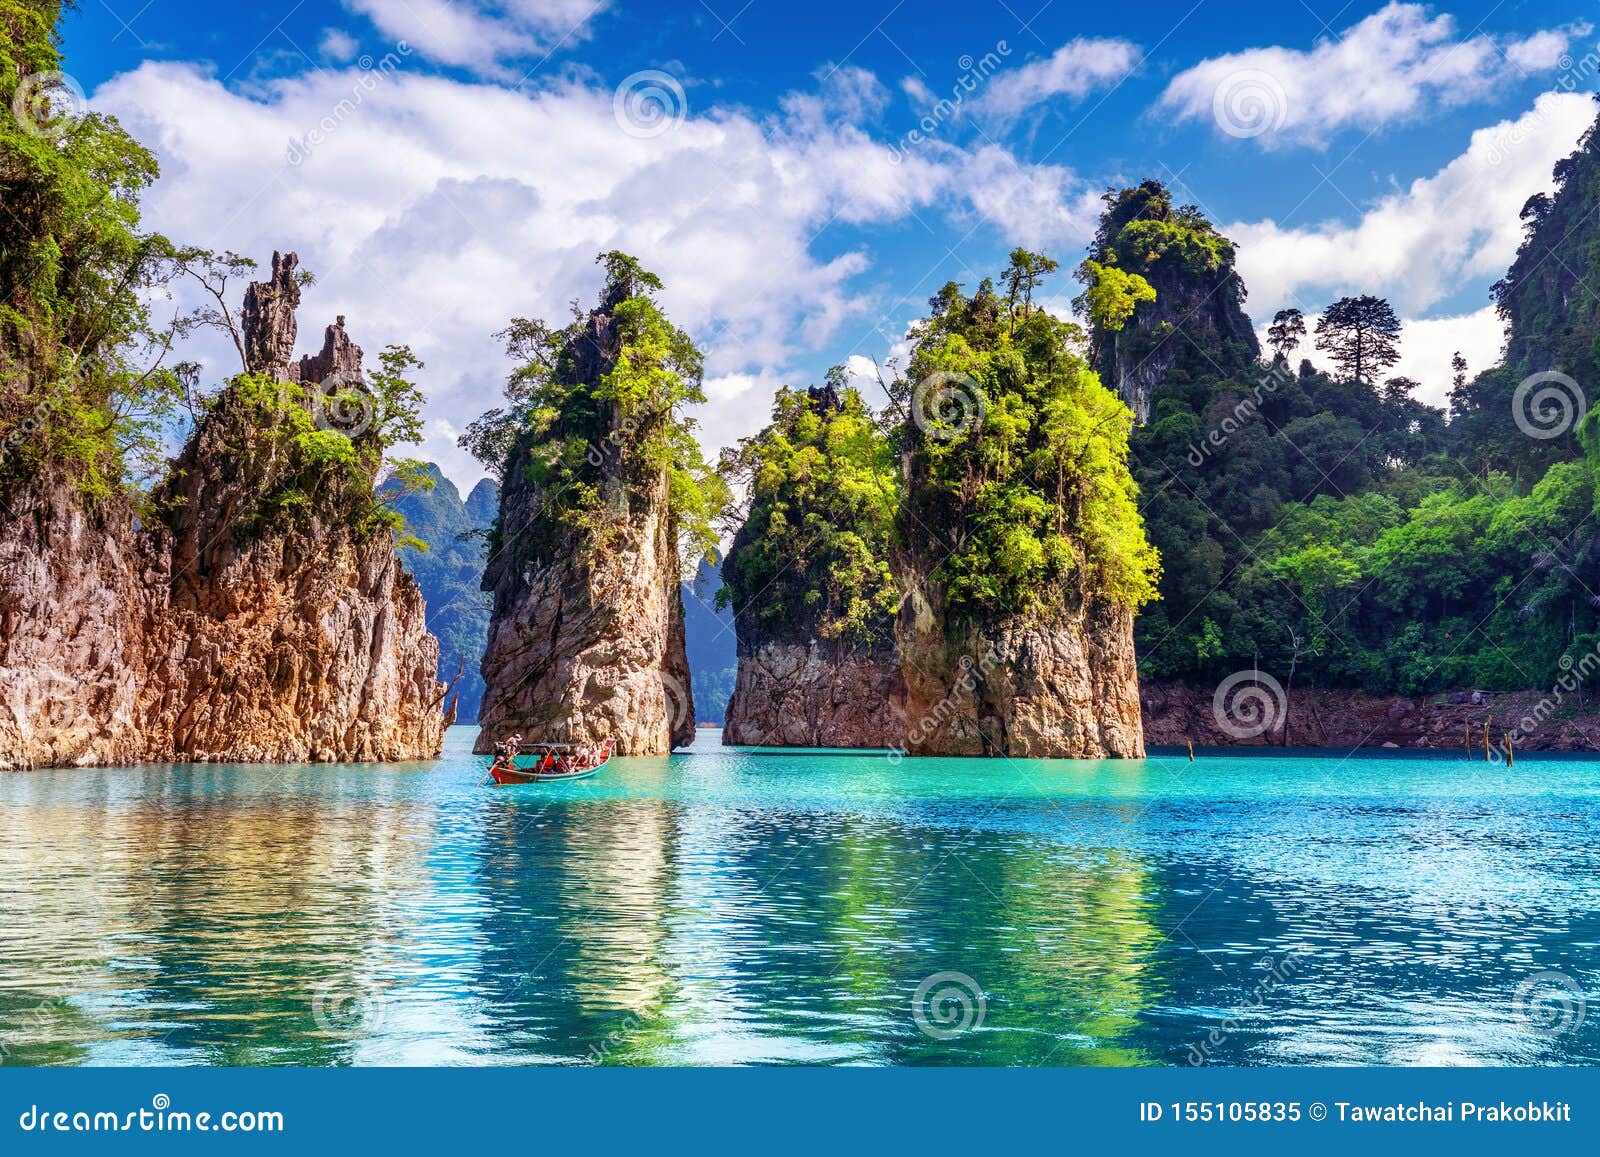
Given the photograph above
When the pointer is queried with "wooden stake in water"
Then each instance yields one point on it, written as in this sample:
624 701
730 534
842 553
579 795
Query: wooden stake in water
1191 751
1486 741
1511 752
1467 731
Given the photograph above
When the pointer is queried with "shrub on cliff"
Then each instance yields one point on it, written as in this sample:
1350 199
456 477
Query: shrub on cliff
598 402
1019 490
811 559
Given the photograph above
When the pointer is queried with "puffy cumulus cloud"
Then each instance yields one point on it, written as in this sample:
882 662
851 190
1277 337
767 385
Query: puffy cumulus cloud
1041 206
434 210
1073 71
481 35
1417 246
1426 347
1393 66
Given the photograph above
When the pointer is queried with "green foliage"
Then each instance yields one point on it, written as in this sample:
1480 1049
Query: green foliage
81 379
598 404
1110 295
812 557
1361 335
1025 500
444 550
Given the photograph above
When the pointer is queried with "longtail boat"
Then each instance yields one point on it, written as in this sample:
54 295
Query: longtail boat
550 762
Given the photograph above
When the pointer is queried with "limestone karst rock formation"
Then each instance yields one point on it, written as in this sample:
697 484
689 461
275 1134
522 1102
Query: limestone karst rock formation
810 673
586 633
232 624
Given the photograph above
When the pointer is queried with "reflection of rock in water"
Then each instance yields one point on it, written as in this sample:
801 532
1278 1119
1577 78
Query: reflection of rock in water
207 929
577 924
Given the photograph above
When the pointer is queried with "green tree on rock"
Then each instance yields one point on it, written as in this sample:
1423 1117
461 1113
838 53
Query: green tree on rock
1361 335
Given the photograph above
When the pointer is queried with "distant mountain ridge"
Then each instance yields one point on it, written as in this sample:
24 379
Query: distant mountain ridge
449 573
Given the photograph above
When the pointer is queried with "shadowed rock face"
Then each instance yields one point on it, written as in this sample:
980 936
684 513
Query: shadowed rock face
586 641
816 693
205 635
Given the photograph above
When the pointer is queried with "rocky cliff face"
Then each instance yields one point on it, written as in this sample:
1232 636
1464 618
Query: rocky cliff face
809 583
1196 325
586 636
816 694
72 611
219 631
1063 689
1176 713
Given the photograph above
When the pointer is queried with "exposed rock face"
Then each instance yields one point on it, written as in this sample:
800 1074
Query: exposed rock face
72 611
586 639
1196 325
212 634
1176 713
1067 689
816 694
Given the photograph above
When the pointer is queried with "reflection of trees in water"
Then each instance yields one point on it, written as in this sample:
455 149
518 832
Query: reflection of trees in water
577 914
641 932
259 920
212 919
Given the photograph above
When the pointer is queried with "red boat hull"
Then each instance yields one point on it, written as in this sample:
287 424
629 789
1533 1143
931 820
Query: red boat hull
508 777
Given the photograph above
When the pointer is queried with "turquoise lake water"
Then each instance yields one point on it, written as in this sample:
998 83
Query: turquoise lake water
718 907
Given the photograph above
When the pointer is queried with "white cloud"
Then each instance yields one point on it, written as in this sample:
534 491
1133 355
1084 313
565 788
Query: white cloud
434 210
338 45
481 34
1074 70
1418 246
1395 65
1040 206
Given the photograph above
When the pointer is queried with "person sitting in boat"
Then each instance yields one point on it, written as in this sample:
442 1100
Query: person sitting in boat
505 754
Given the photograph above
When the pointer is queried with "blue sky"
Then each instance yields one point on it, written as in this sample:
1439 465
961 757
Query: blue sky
445 166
